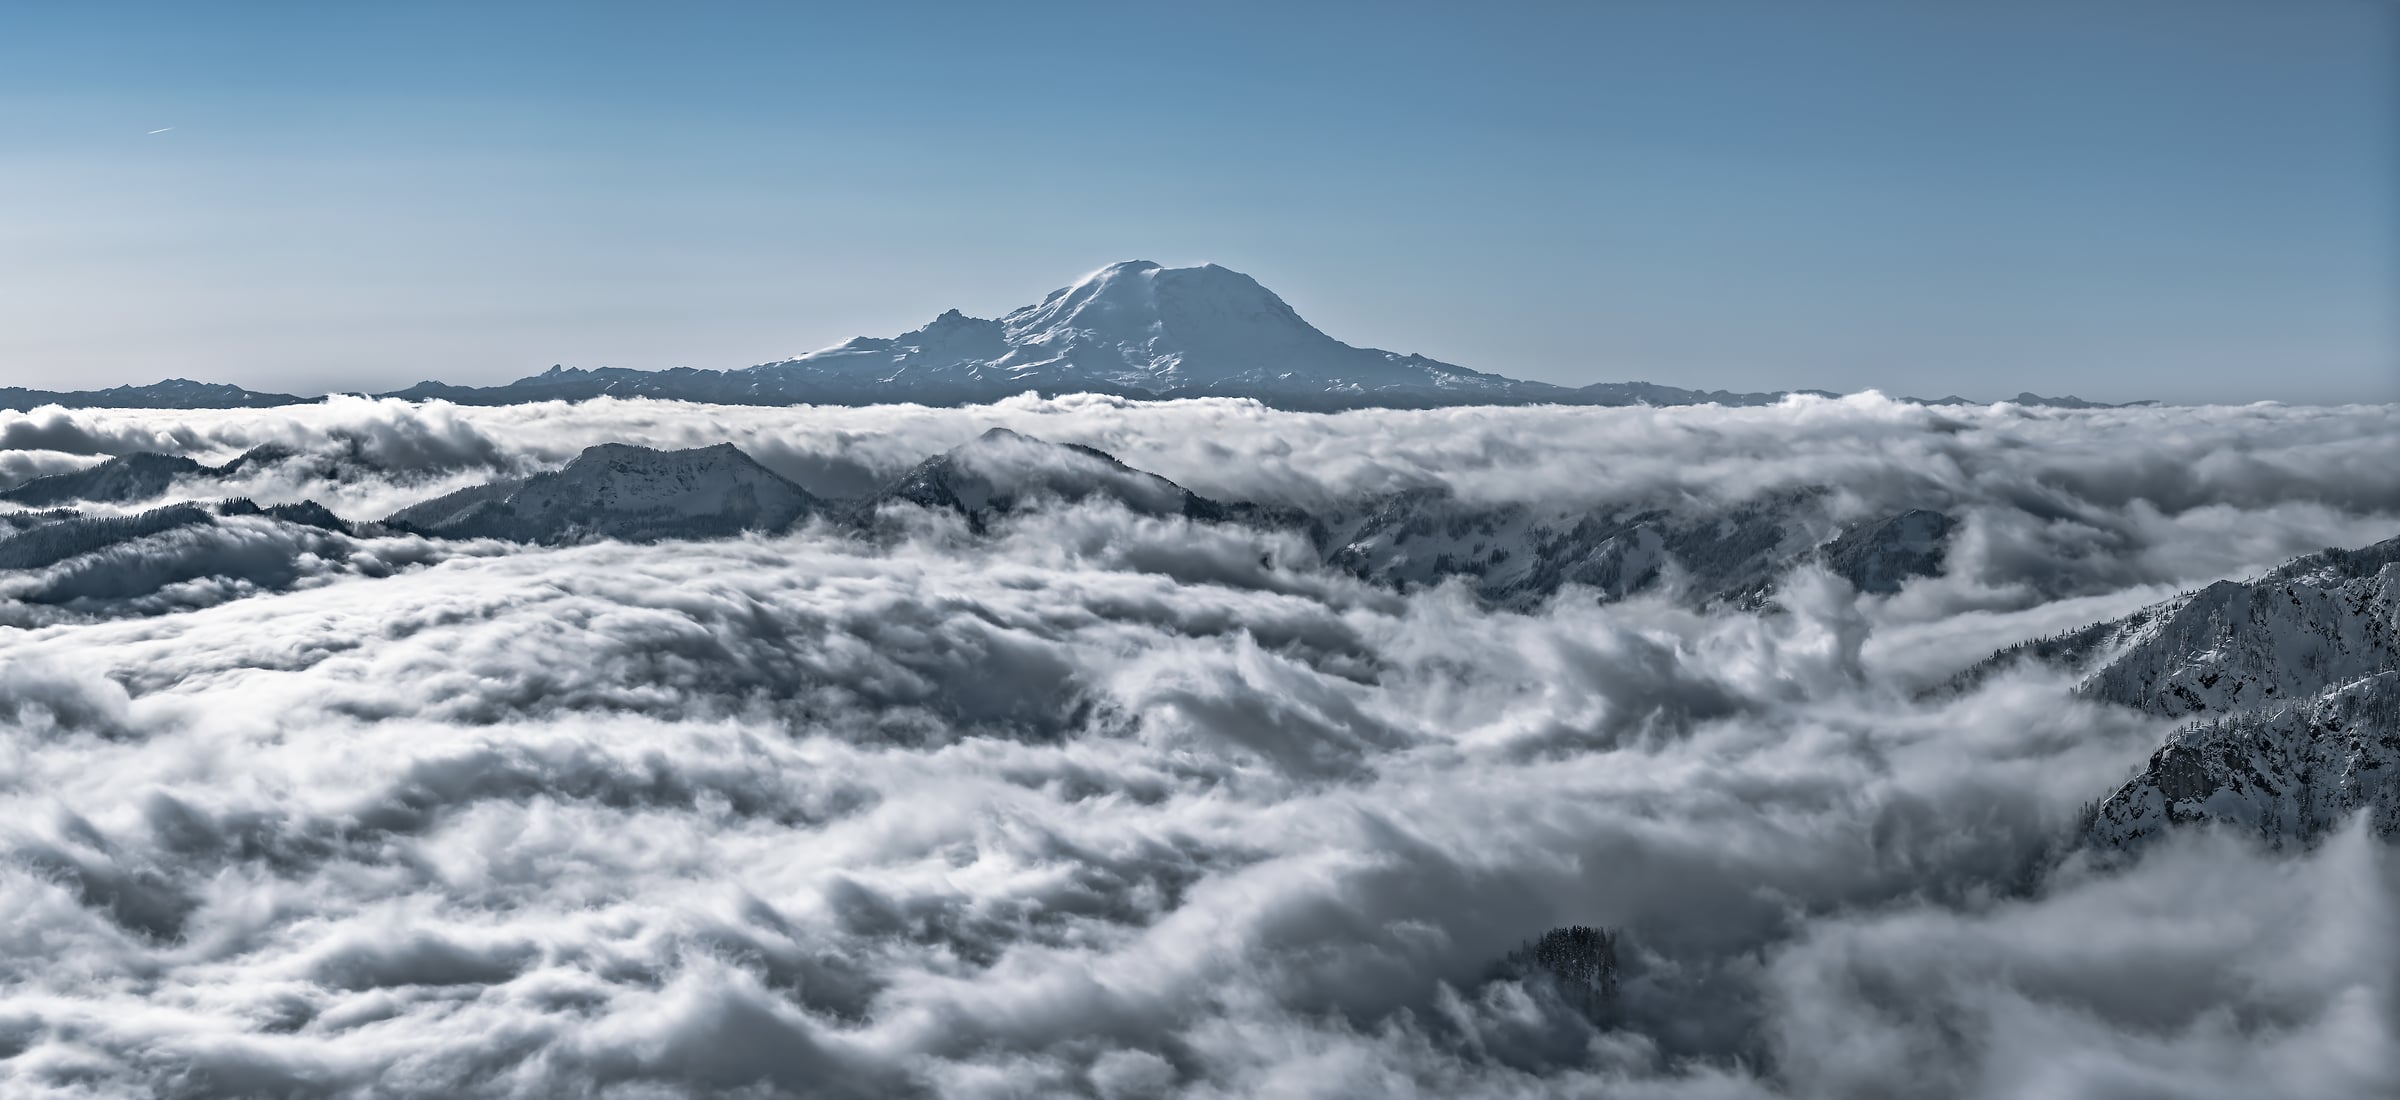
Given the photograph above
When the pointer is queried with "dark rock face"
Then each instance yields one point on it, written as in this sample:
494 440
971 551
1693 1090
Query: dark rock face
1880 556
2288 774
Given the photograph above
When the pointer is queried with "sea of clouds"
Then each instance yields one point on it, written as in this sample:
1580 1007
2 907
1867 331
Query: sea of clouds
1115 805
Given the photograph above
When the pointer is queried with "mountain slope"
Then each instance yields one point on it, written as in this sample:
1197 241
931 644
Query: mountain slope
1001 471
616 490
2289 773
2295 677
1879 556
1509 554
134 477
1721 554
119 480
1210 330
64 565
2318 621
39 540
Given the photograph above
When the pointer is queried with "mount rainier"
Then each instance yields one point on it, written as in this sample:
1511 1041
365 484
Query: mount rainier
1132 329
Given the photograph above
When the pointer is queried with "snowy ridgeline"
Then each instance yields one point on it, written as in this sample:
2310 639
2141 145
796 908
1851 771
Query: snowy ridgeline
2294 681
2290 773
2304 665
1509 554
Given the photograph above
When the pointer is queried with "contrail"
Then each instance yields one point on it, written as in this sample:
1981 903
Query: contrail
162 129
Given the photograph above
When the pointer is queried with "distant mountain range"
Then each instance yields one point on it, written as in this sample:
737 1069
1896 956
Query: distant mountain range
1133 329
174 393
1508 554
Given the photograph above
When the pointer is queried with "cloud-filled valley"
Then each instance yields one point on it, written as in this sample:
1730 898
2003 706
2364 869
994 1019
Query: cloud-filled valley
639 748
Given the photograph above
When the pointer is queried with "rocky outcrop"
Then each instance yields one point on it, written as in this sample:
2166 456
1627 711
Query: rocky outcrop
2287 773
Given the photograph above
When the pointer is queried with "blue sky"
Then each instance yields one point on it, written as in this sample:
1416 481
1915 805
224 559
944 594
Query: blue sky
2183 199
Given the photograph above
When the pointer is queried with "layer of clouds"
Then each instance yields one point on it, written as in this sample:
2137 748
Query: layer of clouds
1119 805
2057 502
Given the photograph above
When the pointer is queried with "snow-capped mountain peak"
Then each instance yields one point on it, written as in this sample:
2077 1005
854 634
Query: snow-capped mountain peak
1135 328
1195 323
1143 329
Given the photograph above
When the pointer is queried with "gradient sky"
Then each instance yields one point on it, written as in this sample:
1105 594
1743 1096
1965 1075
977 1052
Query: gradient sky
2182 199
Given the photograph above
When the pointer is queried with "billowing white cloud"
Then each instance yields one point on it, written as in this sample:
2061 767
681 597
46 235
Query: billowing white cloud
1118 804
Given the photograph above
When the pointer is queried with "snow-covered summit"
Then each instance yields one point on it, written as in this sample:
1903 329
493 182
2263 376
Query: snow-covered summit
1144 329
1147 323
